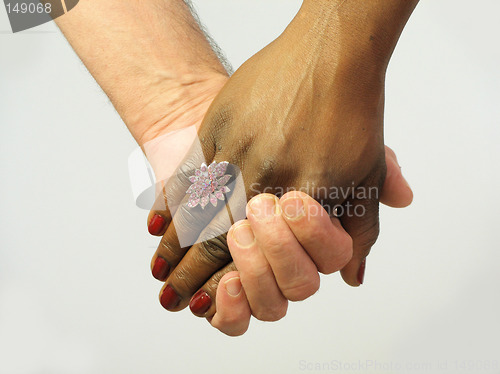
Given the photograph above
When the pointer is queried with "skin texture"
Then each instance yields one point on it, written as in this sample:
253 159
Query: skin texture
293 94
171 71
173 76
309 229
322 106
310 235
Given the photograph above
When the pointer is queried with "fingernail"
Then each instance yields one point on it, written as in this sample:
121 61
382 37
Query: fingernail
264 207
200 303
361 271
169 298
156 225
161 269
243 235
293 207
233 286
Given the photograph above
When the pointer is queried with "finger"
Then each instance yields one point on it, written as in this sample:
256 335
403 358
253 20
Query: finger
322 237
361 221
159 216
266 301
199 263
191 220
396 192
205 297
171 192
295 272
233 311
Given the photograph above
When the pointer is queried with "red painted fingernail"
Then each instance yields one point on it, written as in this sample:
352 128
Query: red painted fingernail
156 225
361 271
200 303
169 298
160 269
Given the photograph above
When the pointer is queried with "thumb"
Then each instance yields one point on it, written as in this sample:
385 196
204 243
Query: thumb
396 192
233 312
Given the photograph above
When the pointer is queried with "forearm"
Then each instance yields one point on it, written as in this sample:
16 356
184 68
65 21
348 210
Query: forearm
342 49
362 34
139 51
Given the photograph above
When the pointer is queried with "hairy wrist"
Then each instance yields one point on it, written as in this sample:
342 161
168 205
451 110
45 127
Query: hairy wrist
150 58
172 103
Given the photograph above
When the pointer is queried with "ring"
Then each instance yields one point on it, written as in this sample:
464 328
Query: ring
208 184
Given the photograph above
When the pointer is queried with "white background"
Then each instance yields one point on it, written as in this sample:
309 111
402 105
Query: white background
76 294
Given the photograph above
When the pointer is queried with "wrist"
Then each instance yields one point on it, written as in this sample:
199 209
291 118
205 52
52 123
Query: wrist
171 102
365 31
343 65
150 58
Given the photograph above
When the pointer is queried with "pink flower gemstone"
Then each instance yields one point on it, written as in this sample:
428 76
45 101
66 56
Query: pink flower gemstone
206 187
193 202
213 200
221 169
222 181
204 201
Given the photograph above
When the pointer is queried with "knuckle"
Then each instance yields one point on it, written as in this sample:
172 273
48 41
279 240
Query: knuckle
185 281
216 249
295 194
341 256
271 313
302 289
314 231
168 248
220 277
179 181
217 227
254 272
276 245
329 267
186 170
237 332
184 216
336 263
231 327
234 318
241 148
